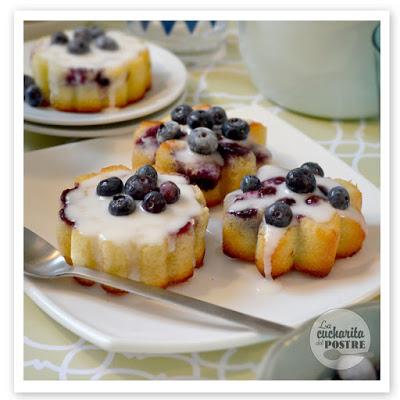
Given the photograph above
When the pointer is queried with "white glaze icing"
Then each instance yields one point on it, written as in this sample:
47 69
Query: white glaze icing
128 48
194 160
320 212
272 235
149 147
92 218
190 158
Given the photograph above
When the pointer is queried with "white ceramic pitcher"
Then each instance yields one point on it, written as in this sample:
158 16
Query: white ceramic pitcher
321 68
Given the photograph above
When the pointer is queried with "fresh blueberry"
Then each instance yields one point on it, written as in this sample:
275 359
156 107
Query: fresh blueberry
95 32
314 168
250 183
180 113
59 38
278 214
198 118
121 204
102 80
106 43
323 189
170 191
235 129
109 186
203 141
300 180
218 115
28 81
154 202
167 131
138 186
362 371
339 197
147 170
217 129
82 34
287 200
78 46
33 96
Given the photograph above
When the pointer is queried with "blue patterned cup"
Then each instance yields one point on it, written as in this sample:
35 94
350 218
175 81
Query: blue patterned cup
182 37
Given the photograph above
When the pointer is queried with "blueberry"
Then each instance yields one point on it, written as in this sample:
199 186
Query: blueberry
235 129
300 180
180 113
287 200
339 197
167 131
203 141
154 202
250 183
217 115
95 32
121 204
199 118
363 371
314 168
278 214
28 81
102 80
109 186
138 186
82 34
106 43
170 191
59 38
78 46
217 129
33 96
147 170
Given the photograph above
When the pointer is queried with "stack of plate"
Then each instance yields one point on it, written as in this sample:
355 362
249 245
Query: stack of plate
169 80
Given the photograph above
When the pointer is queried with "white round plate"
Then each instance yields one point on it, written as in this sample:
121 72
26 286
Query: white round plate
92 131
134 324
81 132
168 82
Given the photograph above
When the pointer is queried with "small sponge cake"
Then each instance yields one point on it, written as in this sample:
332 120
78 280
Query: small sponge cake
111 221
282 220
217 171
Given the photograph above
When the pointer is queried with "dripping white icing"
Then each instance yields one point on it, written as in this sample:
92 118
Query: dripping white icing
90 213
272 235
320 212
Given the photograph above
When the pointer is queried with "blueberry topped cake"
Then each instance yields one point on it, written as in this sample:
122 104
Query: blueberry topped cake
139 225
87 70
215 152
293 219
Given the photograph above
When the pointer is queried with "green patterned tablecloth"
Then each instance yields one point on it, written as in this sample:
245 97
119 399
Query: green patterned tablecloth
52 352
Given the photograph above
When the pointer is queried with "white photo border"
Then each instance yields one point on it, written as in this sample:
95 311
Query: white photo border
184 386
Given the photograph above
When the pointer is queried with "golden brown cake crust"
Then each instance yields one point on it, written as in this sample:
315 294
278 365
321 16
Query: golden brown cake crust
158 265
308 246
89 97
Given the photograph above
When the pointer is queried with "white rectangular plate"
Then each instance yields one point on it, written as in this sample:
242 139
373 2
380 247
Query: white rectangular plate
131 323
